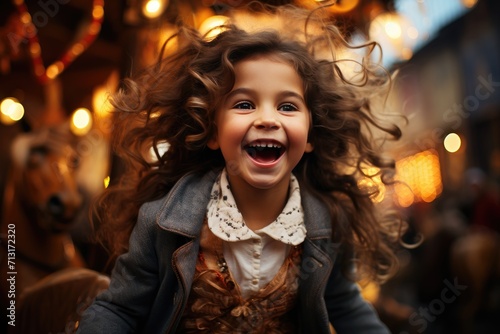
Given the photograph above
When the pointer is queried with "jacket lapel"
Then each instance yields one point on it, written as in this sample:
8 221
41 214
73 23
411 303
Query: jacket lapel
317 263
182 213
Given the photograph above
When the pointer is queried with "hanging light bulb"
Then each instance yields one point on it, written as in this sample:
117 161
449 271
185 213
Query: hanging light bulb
81 121
11 110
452 142
154 8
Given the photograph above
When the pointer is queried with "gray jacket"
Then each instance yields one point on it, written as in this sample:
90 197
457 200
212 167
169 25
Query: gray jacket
150 284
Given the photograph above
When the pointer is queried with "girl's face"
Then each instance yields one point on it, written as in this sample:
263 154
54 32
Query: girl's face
262 124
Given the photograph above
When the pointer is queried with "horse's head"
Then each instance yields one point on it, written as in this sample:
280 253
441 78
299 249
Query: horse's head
44 163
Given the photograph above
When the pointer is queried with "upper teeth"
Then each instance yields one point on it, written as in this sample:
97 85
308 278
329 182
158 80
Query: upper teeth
265 145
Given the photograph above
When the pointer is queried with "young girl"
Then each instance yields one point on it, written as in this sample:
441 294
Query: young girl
252 221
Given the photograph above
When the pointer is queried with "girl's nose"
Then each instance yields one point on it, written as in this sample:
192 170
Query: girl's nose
266 119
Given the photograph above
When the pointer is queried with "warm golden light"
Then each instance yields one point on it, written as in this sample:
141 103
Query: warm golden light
100 101
154 8
35 49
373 183
406 53
212 26
106 181
94 28
418 178
77 49
11 110
98 12
344 6
101 97
404 195
81 118
167 35
452 142
7 105
392 29
81 121
369 290
25 18
55 69
396 34
17 112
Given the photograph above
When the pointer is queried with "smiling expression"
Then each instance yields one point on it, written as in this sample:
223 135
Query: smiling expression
262 124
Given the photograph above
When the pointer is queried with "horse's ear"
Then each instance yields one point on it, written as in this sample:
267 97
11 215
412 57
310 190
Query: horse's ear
20 149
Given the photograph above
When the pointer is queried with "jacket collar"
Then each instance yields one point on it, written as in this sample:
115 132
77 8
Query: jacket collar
184 209
316 216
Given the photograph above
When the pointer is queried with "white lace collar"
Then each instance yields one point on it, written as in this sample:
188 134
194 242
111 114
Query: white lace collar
226 221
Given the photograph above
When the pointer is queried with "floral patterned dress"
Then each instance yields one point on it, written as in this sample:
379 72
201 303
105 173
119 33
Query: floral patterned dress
216 305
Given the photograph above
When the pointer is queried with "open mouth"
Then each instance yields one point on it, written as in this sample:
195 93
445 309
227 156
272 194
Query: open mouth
265 152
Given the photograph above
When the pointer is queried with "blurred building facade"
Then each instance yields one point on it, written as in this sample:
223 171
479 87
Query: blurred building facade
452 85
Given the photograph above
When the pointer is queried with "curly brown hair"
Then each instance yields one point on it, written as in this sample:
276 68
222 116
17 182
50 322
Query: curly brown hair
174 102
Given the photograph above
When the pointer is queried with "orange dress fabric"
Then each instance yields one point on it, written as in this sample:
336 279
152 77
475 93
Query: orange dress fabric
215 303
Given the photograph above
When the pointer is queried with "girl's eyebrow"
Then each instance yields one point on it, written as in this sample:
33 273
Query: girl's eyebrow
248 91
289 93
237 91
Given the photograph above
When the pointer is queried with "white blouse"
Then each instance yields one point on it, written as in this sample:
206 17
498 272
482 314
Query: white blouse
254 257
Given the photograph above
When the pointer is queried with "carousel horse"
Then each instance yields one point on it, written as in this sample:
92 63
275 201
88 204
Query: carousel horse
41 201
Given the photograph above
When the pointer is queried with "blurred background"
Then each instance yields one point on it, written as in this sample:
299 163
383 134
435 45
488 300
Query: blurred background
60 59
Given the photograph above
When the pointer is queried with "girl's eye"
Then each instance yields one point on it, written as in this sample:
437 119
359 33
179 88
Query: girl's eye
288 107
243 105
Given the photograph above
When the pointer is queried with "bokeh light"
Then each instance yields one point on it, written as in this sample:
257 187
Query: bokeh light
81 121
107 179
418 178
154 8
11 110
452 142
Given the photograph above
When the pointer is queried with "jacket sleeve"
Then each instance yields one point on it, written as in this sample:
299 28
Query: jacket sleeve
347 310
133 286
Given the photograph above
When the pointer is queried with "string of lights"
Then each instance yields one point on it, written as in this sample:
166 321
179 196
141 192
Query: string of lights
42 73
